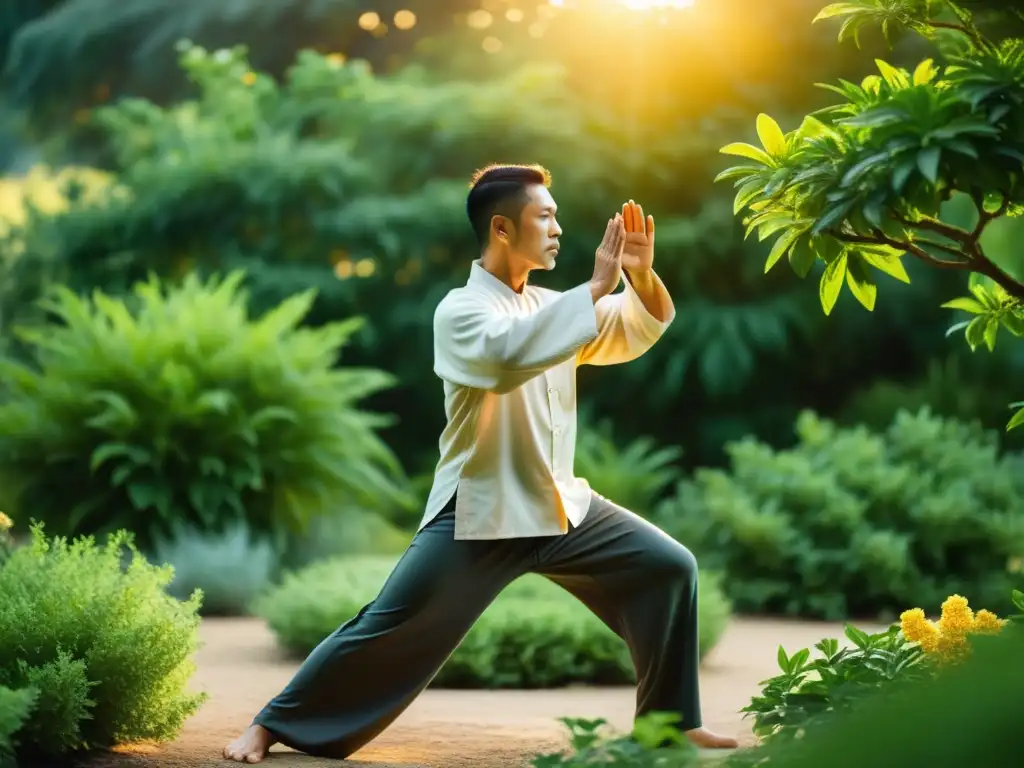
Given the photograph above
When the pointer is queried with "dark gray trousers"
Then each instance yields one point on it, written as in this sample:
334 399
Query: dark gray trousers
637 579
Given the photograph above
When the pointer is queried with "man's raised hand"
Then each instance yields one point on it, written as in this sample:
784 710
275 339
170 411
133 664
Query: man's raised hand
638 251
608 259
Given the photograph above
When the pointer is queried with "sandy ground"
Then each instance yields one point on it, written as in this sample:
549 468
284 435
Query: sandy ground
240 667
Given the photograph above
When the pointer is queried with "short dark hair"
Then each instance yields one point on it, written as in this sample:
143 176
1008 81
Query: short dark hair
500 190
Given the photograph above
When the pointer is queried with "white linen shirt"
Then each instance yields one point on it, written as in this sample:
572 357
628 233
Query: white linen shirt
508 362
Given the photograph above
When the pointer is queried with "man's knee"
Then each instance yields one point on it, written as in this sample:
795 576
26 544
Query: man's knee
677 566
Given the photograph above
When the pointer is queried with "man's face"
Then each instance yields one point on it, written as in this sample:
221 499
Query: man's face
535 239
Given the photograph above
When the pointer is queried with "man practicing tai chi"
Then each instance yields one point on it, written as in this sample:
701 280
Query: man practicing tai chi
505 501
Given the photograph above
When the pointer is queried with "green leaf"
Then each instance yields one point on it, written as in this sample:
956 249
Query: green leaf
749 151
1016 595
858 637
736 172
902 174
991 332
894 77
832 283
891 264
745 194
771 135
108 451
1016 421
782 246
782 659
975 332
928 160
925 72
835 215
966 304
861 281
837 9
957 327
802 257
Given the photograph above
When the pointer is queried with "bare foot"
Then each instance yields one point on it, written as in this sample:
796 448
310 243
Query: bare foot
705 739
251 746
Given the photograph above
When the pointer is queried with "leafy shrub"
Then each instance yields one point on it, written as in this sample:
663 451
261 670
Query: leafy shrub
534 635
836 680
849 522
840 678
177 406
350 531
967 715
231 568
105 648
654 742
15 706
634 475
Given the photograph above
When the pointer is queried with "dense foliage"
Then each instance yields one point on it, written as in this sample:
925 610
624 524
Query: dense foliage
861 185
894 723
535 635
175 406
325 174
104 651
854 523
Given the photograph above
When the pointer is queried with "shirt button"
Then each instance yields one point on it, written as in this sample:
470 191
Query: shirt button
551 390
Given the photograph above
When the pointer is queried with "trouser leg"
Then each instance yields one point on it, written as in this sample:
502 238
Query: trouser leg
643 584
366 673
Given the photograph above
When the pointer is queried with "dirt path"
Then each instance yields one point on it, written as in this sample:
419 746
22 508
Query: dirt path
240 667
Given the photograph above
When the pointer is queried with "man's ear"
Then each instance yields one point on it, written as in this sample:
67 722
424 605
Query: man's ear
501 228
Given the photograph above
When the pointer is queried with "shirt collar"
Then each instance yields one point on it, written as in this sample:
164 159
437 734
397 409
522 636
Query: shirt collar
481 278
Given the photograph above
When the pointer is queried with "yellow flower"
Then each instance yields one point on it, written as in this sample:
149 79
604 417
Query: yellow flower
5 523
946 641
918 629
957 616
986 622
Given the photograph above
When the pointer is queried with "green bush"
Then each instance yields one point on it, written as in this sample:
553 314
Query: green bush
176 406
853 523
977 703
534 635
15 706
836 680
105 648
231 568
654 742
351 531
633 475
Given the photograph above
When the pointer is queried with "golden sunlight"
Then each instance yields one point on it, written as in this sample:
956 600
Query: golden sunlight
633 5
650 5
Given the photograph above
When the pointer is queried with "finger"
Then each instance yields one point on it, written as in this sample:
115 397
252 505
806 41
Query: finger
638 222
627 217
608 230
638 212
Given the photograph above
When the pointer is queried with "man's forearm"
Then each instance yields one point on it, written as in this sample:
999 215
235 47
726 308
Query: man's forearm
652 293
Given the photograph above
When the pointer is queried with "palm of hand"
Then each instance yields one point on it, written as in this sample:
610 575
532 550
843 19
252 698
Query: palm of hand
638 250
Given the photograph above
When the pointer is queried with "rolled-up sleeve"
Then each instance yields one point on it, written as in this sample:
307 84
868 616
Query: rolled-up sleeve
625 329
478 345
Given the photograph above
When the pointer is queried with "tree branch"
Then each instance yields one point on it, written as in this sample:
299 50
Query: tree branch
880 238
951 231
983 264
986 217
